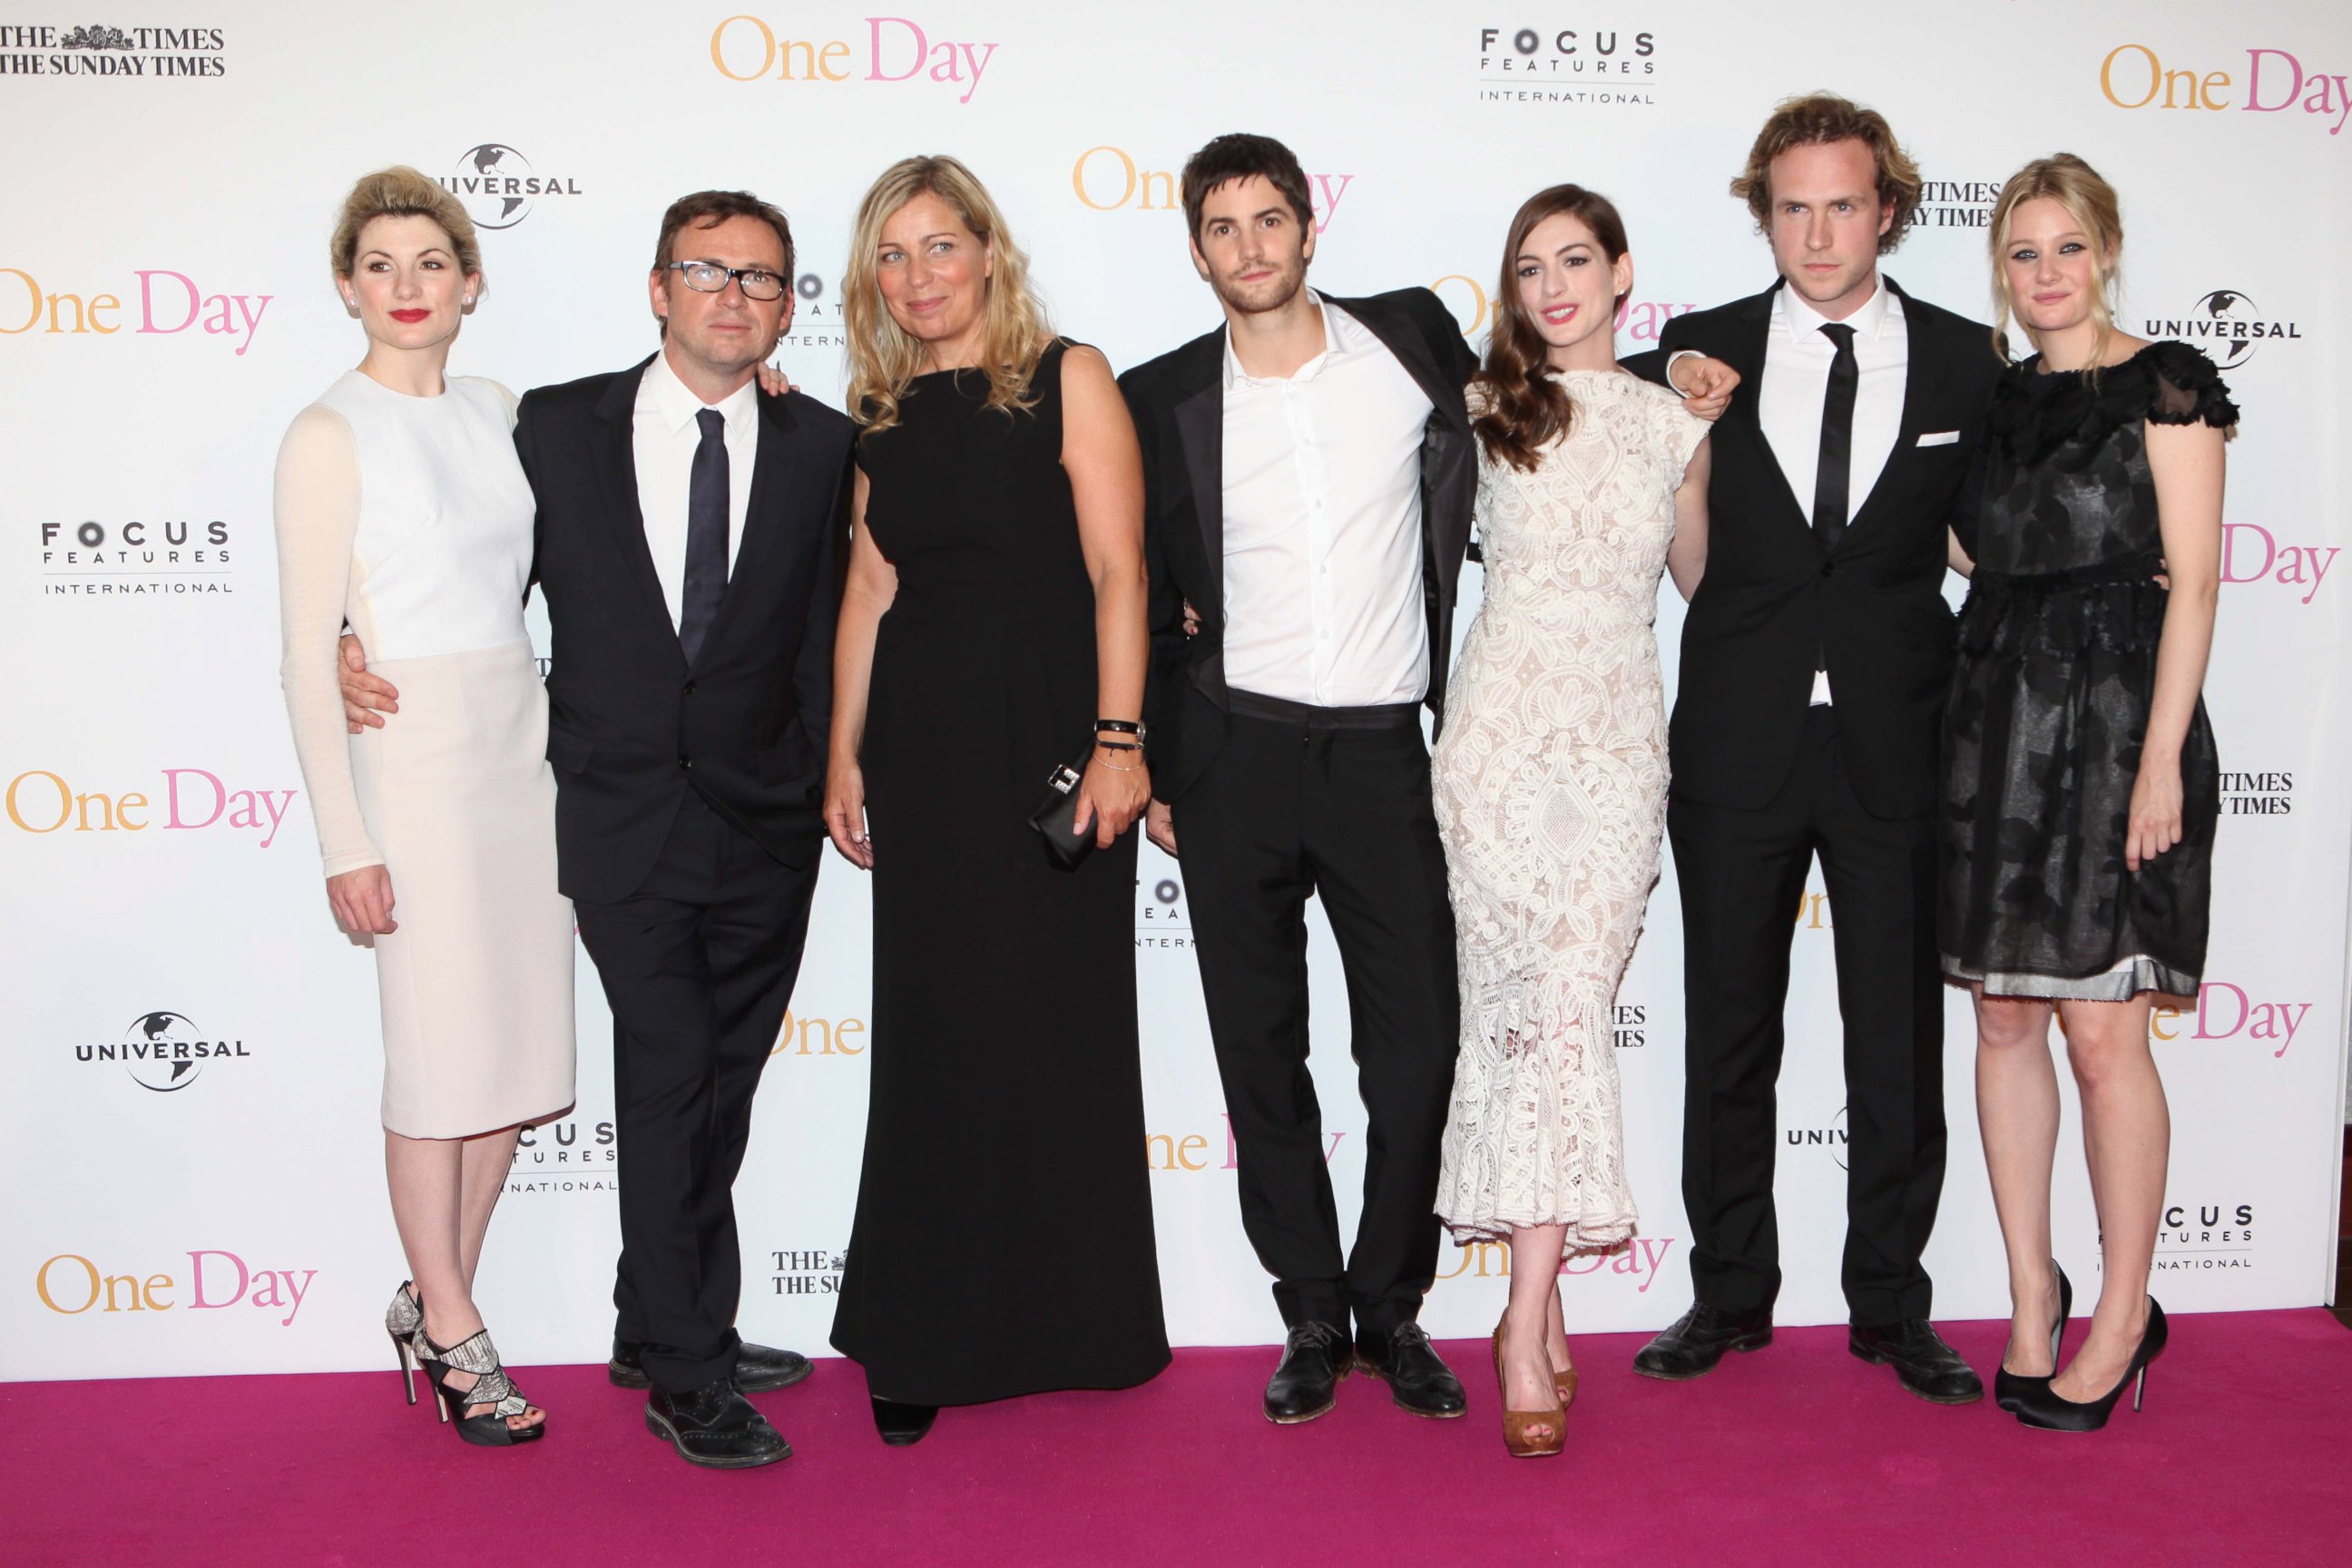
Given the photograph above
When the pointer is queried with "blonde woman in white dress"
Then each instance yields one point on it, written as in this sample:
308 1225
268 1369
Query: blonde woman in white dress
402 510
1551 773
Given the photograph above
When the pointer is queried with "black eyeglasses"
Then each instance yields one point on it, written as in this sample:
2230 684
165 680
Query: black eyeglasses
710 278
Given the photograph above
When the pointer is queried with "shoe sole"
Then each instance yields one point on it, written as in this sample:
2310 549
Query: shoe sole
1369 1370
1743 1345
636 1380
1859 1353
668 1434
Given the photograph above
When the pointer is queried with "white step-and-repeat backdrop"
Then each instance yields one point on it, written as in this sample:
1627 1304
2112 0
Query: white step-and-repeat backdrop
165 309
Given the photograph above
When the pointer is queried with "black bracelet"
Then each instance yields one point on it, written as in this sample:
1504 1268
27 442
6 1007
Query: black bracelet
1117 746
1120 726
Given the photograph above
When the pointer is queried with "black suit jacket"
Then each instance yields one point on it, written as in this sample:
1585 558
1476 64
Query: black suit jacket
1178 401
631 726
1873 607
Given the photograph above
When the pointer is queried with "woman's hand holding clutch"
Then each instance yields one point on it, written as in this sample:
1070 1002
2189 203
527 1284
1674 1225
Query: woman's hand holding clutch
1114 792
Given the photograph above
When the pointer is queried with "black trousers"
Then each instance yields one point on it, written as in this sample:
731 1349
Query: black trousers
699 965
1290 807
1742 875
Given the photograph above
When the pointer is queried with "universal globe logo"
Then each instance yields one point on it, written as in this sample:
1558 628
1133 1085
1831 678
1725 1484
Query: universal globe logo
498 187
2228 325
162 1051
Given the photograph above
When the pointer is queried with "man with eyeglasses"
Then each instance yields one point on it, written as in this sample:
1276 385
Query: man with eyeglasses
691 529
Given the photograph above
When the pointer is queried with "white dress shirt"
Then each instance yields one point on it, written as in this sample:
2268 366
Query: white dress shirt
1322 503
665 437
1797 355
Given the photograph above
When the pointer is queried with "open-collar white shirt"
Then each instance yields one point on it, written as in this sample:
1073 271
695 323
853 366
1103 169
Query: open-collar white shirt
1322 525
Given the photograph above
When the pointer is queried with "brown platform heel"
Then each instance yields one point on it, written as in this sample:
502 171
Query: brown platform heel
1517 1422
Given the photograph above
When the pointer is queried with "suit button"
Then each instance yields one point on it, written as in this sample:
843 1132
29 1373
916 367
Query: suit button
690 689
1829 568
686 762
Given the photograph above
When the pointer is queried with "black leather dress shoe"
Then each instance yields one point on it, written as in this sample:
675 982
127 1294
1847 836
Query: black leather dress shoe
1315 1357
1407 1361
1923 1362
716 1426
901 1425
758 1368
1695 1341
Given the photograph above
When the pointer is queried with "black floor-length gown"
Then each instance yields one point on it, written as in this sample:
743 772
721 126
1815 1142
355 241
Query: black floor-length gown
2050 698
1003 1243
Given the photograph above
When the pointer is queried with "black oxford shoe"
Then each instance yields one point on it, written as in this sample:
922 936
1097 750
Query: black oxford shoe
1695 1341
758 1369
715 1426
1418 1381
1923 1362
1315 1357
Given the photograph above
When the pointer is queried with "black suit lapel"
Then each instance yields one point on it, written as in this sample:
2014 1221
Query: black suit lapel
1201 429
624 518
1923 377
764 512
1397 333
1747 354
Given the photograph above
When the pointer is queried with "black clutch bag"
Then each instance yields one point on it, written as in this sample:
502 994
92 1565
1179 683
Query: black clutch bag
1056 820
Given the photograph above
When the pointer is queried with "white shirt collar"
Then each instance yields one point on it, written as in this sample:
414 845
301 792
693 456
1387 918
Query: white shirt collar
1801 321
678 404
1342 337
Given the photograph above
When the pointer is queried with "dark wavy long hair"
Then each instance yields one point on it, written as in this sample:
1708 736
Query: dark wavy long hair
1525 407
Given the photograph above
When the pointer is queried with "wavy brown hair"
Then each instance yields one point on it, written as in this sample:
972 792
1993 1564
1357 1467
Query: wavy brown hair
1525 407
1823 117
884 357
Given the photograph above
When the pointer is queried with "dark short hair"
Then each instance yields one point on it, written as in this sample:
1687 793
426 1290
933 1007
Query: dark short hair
708 209
1238 157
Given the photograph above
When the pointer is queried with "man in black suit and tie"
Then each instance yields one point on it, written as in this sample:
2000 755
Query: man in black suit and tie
1308 473
1814 661
689 539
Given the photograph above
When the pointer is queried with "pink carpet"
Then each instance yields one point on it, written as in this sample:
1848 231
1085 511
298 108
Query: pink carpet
1798 1454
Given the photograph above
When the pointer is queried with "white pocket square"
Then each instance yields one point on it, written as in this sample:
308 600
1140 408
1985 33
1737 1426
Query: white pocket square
1940 439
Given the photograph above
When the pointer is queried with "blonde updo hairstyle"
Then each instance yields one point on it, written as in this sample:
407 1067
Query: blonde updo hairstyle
884 357
2091 201
400 192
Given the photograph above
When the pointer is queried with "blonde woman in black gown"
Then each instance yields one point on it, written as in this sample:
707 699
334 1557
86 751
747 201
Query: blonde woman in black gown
992 622
2081 782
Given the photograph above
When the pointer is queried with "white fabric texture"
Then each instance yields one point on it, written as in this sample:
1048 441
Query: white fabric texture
1322 504
1550 780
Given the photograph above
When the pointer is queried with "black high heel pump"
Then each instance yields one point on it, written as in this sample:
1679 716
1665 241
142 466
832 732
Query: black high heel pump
2045 1410
2009 1388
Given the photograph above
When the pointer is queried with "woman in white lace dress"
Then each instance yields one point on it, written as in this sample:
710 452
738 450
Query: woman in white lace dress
1551 772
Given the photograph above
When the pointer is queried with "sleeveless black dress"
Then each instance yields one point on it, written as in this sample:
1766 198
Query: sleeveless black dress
2049 702
1003 1243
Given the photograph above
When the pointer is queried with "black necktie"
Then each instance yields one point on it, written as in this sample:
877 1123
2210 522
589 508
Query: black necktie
706 534
1832 478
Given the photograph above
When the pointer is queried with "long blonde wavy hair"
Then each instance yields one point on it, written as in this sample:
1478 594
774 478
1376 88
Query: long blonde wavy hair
2091 201
884 357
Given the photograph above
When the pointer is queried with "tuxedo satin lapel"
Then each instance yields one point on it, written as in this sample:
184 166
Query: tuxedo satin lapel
766 514
1201 425
624 519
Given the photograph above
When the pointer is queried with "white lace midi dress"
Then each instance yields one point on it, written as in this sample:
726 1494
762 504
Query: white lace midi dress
1549 779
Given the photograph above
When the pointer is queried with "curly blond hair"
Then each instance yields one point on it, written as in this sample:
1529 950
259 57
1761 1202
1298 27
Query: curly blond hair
1823 117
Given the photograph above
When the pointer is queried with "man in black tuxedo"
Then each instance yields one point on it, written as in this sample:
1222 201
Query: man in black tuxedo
1814 661
1308 473
690 535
